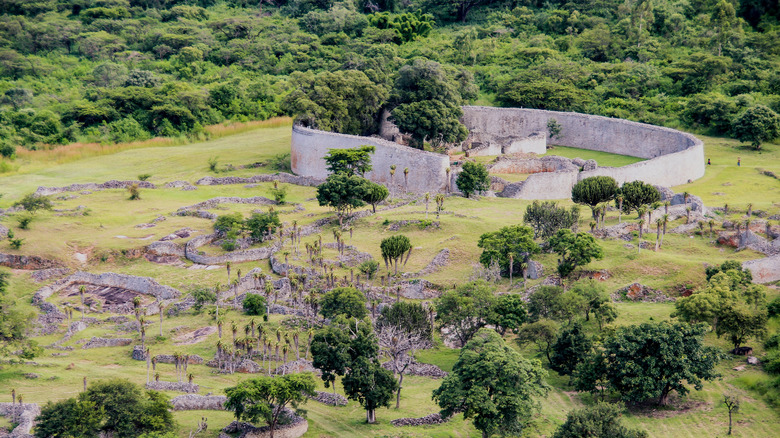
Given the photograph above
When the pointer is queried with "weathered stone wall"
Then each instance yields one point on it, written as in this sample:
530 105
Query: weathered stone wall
427 169
247 255
193 402
25 414
764 270
142 285
113 184
673 157
26 262
189 388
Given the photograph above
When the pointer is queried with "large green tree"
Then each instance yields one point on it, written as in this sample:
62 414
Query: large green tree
492 384
266 398
650 360
574 250
352 161
466 309
343 193
431 120
395 249
756 125
599 420
637 194
69 418
593 191
346 301
330 354
572 347
371 385
473 178
514 240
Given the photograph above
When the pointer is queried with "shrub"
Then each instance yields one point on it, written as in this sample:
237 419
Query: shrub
279 194
473 178
144 176
32 203
228 222
254 305
135 192
24 221
213 164
202 296
369 268
345 301
261 223
16 243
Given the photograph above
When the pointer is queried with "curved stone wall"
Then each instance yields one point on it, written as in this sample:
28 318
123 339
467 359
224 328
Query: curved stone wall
671 157
427 170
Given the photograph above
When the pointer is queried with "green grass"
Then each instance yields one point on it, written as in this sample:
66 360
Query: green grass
604 159
679 264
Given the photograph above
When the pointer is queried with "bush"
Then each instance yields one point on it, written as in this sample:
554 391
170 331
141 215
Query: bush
254 305
369 268
345 301
261 223
228 222
773 308
7 150
32 203
279 194
135 192
202 296
144 176
213 164
473 178
16 243
24 221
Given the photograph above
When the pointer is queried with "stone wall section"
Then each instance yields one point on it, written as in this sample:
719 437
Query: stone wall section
193 402
427 169
141 285
25 414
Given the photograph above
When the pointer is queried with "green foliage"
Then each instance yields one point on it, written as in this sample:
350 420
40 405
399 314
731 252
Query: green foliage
344 101
15 243
254 304
515 240
394 248
552 302
144 176
407 316
574 250
773 308
346 301
375 193
343 193
599 420
430 120
473 178
202 296
553 129
353 161
369 268
128 411
571 348
594 190
134 191
637 194
508 313
69 418
369 384
547 218
409 26
228 222
330 349
24 221
263 399
466 309
757 125
492 384
741 323
32 203
673 355
13 323
261 223
279 194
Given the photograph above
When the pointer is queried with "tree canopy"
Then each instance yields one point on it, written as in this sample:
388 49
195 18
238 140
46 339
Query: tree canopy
346 301
465 309
492 384
473 178
343 193
514 240
574 250
757 125
353 161
599 420
594 190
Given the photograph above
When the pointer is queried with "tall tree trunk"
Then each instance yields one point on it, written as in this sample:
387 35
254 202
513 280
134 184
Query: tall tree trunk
398 393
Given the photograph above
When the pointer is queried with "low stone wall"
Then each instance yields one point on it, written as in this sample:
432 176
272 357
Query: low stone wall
189 388
213 202
96 342
26 262
247 255
329 398
194 359
25 413
766 270
141 285
282 177
549 163
434 418
193 402
294 429
113 184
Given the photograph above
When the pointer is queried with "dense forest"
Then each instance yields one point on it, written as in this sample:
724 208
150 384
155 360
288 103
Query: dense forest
122 70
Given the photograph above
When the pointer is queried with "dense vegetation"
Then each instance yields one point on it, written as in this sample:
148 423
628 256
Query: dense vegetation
123 70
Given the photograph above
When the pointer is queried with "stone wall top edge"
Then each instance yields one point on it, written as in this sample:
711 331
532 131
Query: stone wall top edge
696 141
406 149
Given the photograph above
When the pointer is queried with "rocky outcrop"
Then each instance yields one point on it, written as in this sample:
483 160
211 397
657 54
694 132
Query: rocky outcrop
47 274
193 359
329 398
290 426
189 388
213 202
113 184
640 292
535 270
24 414
297 366
435 418
193 402
765 270
96 342
420 369
27 262
141 285
248 366
282 177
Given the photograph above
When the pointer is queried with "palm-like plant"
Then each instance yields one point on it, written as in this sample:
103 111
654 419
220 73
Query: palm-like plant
82 289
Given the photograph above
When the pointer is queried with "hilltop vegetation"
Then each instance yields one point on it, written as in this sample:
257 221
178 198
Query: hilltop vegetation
124 70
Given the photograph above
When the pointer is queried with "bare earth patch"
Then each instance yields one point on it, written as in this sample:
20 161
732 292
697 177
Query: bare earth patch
195 336
674 408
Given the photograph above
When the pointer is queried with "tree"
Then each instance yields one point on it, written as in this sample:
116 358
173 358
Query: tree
570 349
69 418
460 8
756 125
399 344
129 412
343 193
330 354
593 292
33 202
497 246
605 314
14 324
370 385
574 250
266 398
346 301
408 316
543 333
227 222
375 193
547 218
353 161
593 191
394 248
599 420
466 309
254 304
259 225
432 120
345 101
732 404
508 313
473 178
638 194
493 384
651 360
742 323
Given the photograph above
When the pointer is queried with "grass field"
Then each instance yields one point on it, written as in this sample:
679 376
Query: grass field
109 230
